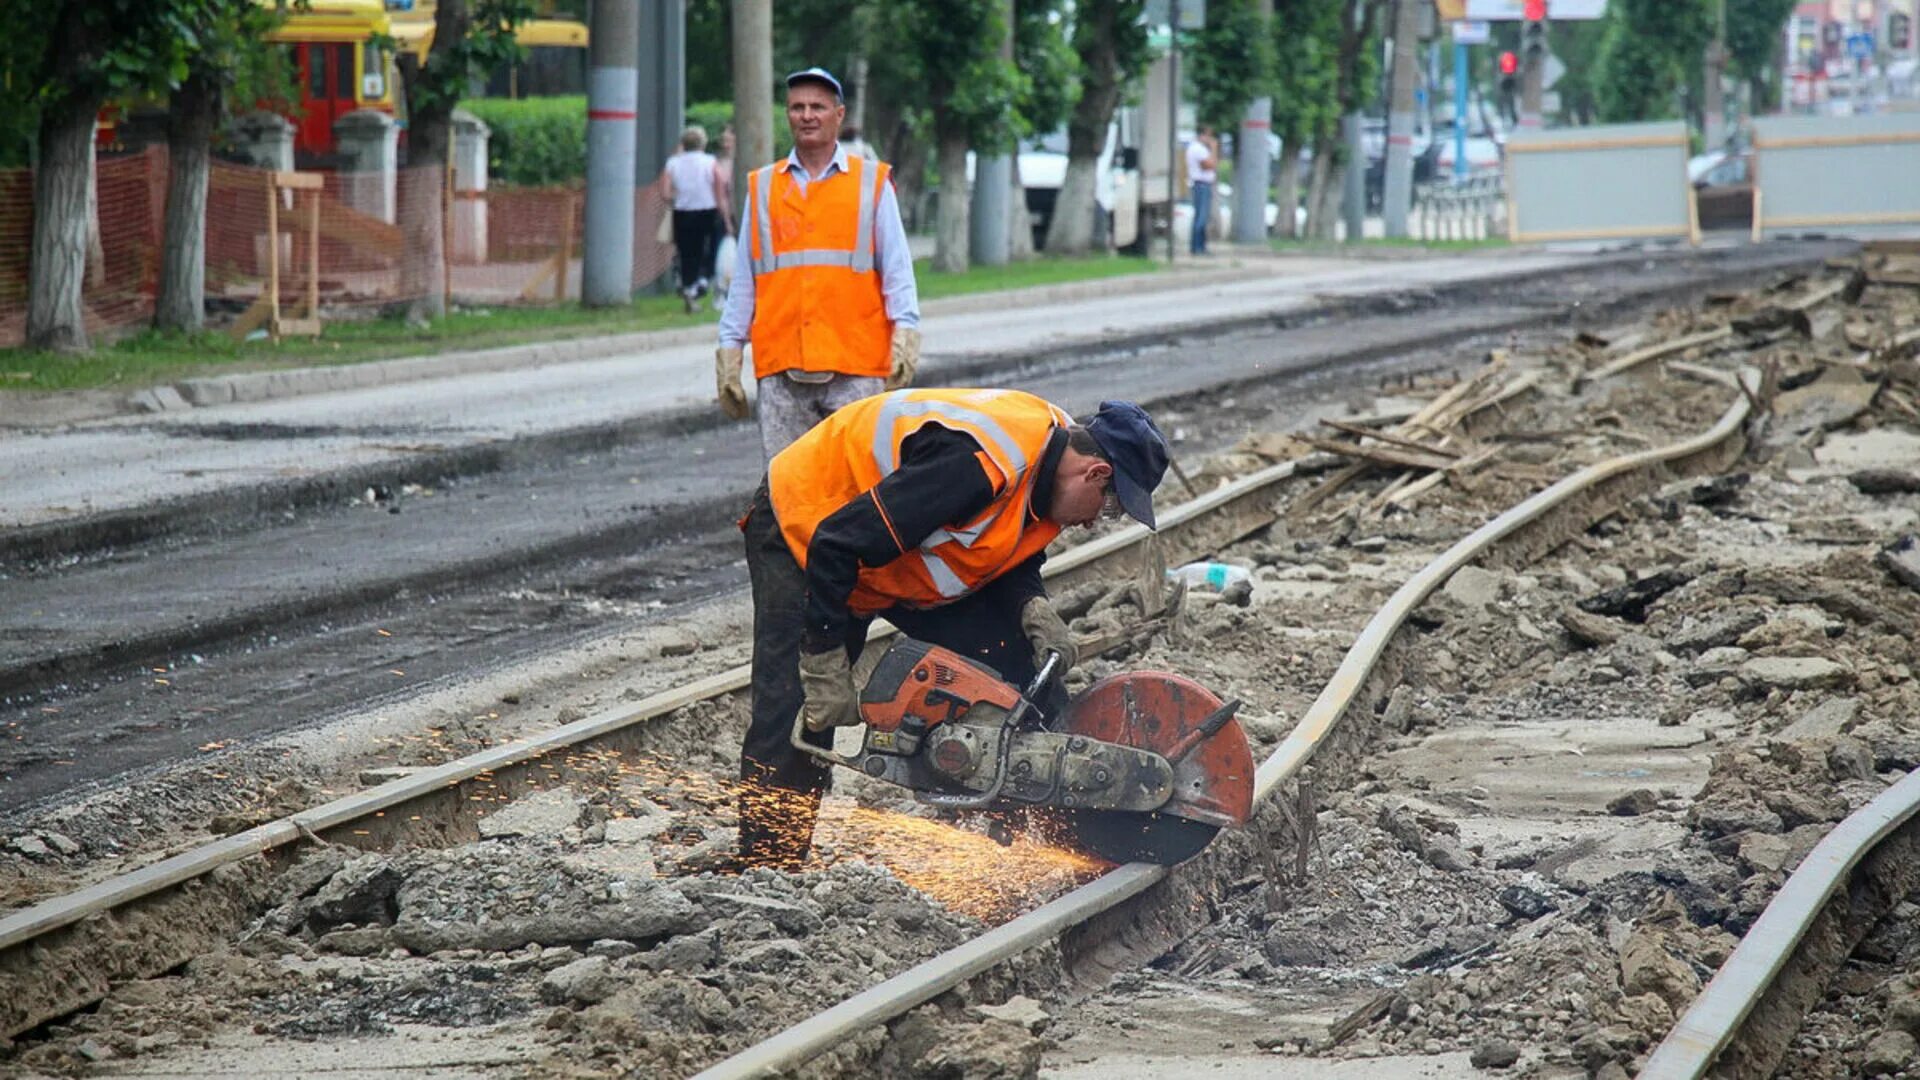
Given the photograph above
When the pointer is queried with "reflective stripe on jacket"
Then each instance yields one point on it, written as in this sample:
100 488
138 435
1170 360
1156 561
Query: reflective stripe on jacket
850 452
817 299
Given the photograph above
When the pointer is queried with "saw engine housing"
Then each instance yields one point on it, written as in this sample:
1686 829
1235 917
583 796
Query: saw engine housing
1145 764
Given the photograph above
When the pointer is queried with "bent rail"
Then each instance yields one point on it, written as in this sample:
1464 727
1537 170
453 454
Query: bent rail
1715 1018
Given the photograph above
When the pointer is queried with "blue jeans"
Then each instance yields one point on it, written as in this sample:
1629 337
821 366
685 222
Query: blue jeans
1202 210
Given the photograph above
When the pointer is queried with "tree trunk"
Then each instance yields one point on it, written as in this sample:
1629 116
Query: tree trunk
422 203
1333 200
62 183
191 116
1070 232
1318 227
1020 239
950 243
1289 190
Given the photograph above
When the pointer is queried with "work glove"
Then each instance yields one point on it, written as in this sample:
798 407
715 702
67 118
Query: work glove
831 700
1046 630
905 355
726 375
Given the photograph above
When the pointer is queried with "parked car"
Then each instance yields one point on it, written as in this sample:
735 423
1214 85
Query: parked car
1723 187
1485 150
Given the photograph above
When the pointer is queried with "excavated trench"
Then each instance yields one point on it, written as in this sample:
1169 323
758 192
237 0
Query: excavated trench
584 932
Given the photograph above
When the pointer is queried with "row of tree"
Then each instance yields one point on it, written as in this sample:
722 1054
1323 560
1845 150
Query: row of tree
62 61
939 78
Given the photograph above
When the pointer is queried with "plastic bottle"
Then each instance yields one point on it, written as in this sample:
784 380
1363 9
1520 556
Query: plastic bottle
1209 575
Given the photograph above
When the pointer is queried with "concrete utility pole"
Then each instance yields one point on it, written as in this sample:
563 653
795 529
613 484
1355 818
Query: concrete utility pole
1253 163
1715 118
1353 191
987 228
613 88
1406 74
752 91
663 94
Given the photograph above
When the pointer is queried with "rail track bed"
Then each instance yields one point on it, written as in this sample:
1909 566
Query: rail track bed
1558 672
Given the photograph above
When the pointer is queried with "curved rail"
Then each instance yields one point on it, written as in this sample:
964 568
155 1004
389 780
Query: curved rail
928 979
1713 1020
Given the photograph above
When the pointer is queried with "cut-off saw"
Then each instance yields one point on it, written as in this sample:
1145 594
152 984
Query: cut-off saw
1141 766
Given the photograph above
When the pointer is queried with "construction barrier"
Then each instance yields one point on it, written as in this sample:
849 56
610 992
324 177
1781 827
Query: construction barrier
1612 182
504 245
1815 172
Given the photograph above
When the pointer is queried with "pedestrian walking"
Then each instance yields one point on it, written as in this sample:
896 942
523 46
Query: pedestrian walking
823 286
691 177
1203 158
720 253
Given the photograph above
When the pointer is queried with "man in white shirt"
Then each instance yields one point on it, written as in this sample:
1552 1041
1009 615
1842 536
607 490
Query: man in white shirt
1203 156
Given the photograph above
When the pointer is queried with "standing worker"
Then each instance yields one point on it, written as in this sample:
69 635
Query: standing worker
932 508
823 282
1203 158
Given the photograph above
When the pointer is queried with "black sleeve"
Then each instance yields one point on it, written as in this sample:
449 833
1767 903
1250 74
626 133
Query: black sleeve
1020 584
940 481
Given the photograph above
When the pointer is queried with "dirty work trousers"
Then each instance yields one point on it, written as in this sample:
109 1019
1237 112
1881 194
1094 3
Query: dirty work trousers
780 786
789 408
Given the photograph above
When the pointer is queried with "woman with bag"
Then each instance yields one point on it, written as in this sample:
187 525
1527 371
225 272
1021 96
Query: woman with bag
691 179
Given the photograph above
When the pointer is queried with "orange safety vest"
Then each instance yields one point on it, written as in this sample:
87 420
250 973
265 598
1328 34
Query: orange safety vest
851 451
817 304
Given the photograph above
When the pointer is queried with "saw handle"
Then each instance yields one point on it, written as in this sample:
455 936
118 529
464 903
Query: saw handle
1203 731
1014 719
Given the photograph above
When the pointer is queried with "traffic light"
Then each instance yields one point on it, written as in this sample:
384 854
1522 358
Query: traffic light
1509 63
1899 31
1534 10
1533 42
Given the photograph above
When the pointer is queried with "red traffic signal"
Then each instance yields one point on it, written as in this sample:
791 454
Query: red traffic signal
1509 63
1534 10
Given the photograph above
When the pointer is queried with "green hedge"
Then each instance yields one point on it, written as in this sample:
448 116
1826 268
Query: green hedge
536 141
543 141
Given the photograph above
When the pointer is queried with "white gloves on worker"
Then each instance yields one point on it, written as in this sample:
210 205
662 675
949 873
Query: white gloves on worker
827 681
905 357
726 376
1046 630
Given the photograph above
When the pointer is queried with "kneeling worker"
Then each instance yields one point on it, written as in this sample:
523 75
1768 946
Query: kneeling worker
932 508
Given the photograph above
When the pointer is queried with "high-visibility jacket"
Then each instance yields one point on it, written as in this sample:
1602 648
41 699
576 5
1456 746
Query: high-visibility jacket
858 446
817 304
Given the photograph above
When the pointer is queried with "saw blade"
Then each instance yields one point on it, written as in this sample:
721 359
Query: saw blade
1121 836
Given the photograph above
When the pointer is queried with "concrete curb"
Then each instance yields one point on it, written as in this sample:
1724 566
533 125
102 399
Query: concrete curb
54 409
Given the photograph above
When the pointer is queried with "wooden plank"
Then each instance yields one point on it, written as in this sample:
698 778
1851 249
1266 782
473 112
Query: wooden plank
540 276
1884 217
1804 142
299 181
345 225
1619 232
1623 142
1386 437
1908 279
297 327
1379 455
1892 247
251 319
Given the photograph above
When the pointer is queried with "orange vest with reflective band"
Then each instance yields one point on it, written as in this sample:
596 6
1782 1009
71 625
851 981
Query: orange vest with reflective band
851 451
817 304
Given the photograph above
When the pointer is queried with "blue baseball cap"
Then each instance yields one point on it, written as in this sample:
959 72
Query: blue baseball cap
1136 450
819 75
